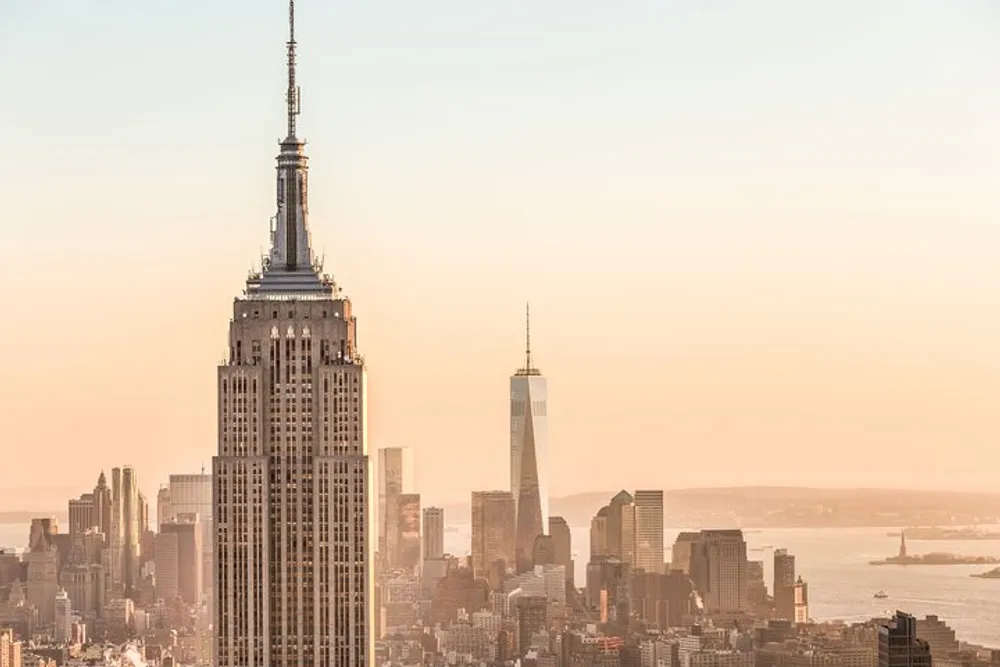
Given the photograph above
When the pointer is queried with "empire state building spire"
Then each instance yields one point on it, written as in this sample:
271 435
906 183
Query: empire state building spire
290 266
293 96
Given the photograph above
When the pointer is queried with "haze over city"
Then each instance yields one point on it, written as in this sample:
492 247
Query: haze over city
771 236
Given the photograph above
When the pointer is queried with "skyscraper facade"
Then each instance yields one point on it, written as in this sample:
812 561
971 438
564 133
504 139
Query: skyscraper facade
529 440
562 539
784 584
395 476
898 645
494 516
183 558
192 494
649 531
727 578
293 565
407 554
163 513
433 534
124 530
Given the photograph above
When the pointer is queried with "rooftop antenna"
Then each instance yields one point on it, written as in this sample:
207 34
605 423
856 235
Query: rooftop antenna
293 95
527 337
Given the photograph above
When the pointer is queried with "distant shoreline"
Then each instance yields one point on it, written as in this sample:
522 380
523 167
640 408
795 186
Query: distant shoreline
26 517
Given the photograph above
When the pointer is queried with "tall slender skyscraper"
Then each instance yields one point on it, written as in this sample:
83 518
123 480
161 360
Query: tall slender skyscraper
649 531
395 476
433 533
291 481
529 439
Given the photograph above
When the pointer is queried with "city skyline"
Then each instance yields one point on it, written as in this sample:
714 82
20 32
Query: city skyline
811 293
763 252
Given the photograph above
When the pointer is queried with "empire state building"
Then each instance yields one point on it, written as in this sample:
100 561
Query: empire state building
292 493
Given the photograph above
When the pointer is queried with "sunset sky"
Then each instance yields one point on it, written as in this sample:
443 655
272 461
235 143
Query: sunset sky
761 239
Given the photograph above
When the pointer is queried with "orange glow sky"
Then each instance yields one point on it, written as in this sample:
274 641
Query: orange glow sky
758 251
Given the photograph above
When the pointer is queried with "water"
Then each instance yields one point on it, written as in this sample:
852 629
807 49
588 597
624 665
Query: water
834 561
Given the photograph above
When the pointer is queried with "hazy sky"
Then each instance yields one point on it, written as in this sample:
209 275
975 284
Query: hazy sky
761 238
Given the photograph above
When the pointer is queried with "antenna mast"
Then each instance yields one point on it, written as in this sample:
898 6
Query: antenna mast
527 337
293 95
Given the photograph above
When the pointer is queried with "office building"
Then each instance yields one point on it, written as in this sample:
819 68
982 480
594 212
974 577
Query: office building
293 569
727 581
103 505
81 514
64 618
163 513
91 510
395 476
42 564
10 649
433 536
531 619
614 525
648 531
682 550
529 442
494 517
83 575
898 645
179 558
562 540
189 494
784 584
407 555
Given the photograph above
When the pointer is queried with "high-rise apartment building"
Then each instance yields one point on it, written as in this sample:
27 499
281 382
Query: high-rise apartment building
125 531
529 442
898 645
433 536
395 476
293 566
648 531
494 517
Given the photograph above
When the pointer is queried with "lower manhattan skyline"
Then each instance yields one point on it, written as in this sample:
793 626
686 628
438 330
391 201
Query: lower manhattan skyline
814 261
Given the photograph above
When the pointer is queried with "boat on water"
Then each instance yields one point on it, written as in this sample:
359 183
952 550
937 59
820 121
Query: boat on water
881 595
